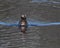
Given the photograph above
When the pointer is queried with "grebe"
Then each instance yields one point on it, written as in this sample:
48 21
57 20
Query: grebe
23 24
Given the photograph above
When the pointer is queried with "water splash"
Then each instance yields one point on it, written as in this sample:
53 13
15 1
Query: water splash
9 24
43 23
31 23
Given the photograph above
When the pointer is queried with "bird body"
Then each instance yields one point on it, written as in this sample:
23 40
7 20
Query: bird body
23 24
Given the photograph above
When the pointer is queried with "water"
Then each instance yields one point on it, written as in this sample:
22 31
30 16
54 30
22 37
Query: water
35 37
39 0
49 1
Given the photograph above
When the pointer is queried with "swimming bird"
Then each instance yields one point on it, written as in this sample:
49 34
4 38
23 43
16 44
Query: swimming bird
23 24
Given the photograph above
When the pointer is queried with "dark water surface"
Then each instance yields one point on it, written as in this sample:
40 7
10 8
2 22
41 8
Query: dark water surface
36 37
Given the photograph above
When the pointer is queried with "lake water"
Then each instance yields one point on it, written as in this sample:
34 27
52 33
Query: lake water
35 37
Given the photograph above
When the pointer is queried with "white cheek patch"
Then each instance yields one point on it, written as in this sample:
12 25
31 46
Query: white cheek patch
22 28
23 23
